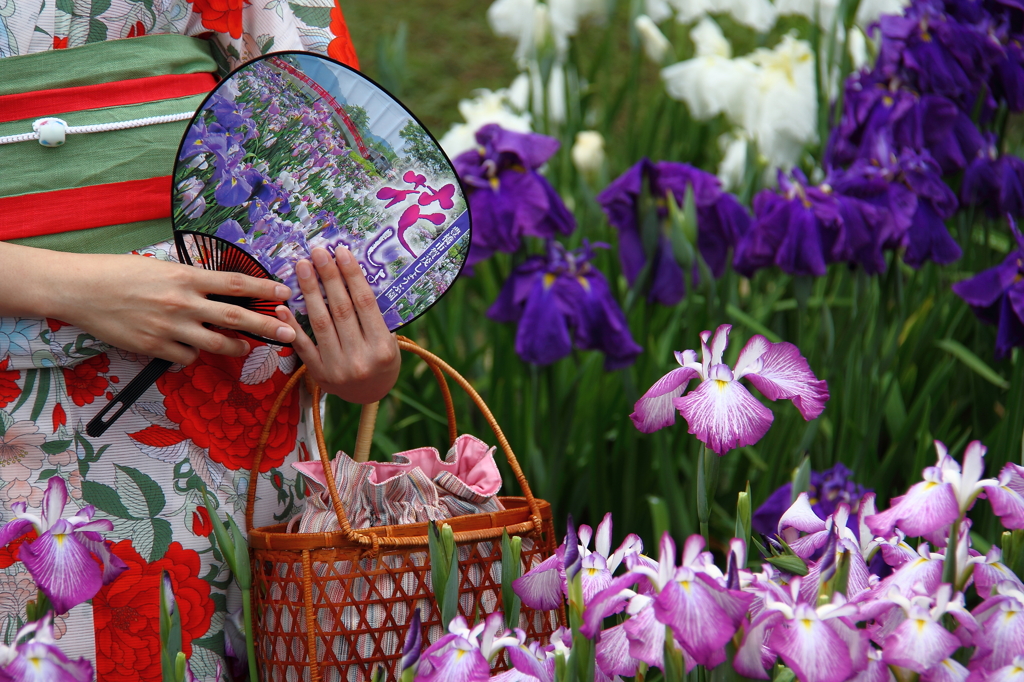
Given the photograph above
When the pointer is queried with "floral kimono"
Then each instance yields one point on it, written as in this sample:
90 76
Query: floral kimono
197 426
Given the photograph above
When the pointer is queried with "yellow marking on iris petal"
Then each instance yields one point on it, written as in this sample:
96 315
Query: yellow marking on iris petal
584 283
807 623
494 183
591 571
928 485
60 538
720 385
887 101
459 653
920 625
549 279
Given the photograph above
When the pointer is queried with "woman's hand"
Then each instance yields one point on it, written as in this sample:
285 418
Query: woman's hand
140 304
355 357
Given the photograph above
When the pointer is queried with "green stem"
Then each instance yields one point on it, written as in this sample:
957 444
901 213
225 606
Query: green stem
250 646
949 564
707 483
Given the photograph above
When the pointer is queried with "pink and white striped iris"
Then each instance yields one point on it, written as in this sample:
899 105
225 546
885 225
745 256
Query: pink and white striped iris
945 495
465 654
819 644
720 412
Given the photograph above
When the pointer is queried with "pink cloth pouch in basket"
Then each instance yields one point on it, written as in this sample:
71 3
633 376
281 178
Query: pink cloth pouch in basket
417 486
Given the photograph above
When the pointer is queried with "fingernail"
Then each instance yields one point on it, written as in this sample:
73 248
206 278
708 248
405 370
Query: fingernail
303 269
282 313
286 334
343 255
247 348
320 257
282 292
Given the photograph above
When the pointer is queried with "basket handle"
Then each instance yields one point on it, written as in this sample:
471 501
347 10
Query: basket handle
440 368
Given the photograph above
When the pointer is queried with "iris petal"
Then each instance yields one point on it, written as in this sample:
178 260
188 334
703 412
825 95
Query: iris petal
918 644
723 415
63 568
542 587
927 506
784 373
812 649
613 653
655 409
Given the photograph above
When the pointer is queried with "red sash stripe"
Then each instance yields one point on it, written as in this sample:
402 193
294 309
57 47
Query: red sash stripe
81 208
113 94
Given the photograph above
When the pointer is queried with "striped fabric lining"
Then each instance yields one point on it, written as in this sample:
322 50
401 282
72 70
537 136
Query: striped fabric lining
407 495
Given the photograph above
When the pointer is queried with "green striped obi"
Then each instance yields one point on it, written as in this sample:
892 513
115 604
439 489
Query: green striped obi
108 191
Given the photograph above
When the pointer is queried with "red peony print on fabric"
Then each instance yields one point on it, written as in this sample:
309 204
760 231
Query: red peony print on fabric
341 47
84 381
9 390
216 407
223 16
9 553
127 613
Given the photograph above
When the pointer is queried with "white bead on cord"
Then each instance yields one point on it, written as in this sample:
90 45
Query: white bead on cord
51 131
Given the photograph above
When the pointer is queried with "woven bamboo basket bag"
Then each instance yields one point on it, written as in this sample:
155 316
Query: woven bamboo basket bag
333 606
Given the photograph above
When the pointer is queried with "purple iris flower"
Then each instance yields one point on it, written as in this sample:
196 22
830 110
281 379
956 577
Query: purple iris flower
720 412
507 197
828 489
231 231
880 114
201 137
996 296
876 213
721 221
560 299
230 114
39 659
994 182
1008 77
62 559
935 53
237 184
798 228
928 238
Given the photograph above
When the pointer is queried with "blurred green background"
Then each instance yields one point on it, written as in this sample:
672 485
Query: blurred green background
449 52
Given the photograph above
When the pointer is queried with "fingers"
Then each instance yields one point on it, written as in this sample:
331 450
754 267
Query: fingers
320 319
346 320
232 316
303 345
361 297
201 338
237 284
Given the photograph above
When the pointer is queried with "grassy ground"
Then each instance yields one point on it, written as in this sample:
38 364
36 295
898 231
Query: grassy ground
449 52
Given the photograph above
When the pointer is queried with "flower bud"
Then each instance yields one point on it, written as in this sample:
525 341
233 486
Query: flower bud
656 45
588 152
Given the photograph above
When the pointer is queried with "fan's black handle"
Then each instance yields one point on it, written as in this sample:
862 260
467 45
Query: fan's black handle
127 397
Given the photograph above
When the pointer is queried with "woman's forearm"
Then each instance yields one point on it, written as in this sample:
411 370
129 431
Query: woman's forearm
30 280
